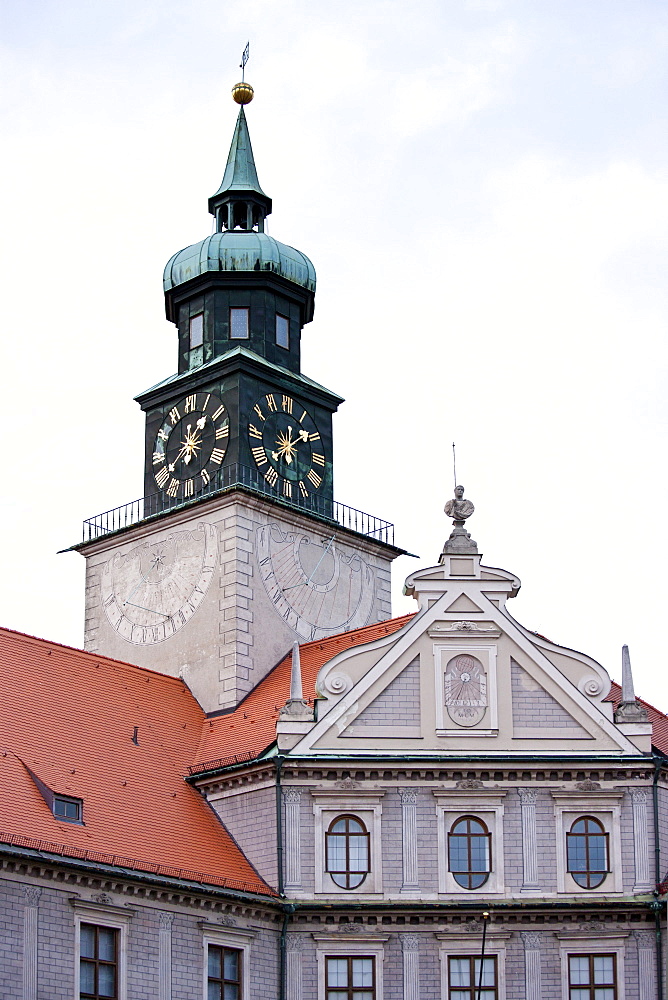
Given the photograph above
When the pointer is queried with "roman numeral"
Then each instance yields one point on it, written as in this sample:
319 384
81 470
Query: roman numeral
254 432
314 478
158 457
314 437
271 402
163 435
271 476
221 409
174 415
206 401
173 488
287 404
161 477
302 489
222 432
318 459
190 404
302 416
189 487
259 412
287 488
206 478
259 456
217 456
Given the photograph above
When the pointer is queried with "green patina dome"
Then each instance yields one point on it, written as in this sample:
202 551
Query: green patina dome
238 250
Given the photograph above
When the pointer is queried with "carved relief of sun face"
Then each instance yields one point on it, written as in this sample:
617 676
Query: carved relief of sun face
465 693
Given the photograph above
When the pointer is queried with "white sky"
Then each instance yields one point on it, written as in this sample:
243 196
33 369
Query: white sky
482 186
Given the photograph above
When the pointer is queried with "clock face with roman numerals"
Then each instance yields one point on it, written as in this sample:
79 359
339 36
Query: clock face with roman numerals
286 446
190 446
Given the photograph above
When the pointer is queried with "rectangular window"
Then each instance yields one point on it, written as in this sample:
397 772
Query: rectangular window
196 331
465 981
350 978
282 332
239 324
223 973
68 809
592 977
98 962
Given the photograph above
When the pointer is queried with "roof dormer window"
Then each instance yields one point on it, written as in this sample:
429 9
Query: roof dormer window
68 809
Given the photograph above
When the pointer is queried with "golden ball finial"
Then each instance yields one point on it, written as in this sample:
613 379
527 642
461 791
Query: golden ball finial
242 93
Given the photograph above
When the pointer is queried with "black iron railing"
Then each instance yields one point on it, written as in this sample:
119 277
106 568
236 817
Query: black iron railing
227 479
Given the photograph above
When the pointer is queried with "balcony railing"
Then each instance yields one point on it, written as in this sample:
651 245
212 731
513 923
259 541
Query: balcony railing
227 479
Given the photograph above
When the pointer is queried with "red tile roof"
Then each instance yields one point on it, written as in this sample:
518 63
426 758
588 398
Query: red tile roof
251 728
658 719
70 717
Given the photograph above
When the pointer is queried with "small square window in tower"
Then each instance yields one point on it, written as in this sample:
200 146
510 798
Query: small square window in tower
282 332
239 324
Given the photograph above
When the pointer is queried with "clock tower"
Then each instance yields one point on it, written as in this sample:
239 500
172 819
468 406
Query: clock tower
238 547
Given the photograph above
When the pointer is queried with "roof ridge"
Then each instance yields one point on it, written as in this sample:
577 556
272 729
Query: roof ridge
86 654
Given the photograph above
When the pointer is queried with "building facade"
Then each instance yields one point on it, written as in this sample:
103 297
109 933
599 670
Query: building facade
254 783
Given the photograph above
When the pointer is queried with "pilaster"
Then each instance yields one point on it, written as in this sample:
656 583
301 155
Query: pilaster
529 840
410 949
643 873
410 881
293 853
165 956
296 945
532 942
646 941
31 894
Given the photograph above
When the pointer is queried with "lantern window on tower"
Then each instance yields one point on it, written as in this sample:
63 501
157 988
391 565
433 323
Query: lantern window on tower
282 332
239 324
196 331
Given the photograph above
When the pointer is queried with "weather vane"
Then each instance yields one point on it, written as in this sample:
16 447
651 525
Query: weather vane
244 60
454 464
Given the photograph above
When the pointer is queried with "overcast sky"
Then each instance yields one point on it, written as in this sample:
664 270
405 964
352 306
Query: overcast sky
482 186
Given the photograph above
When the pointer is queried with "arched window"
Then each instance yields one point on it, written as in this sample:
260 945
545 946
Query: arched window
347 851
587 852
469 852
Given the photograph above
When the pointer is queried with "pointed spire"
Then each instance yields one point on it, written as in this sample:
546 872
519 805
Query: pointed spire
240 172
240 202
629 708
296 693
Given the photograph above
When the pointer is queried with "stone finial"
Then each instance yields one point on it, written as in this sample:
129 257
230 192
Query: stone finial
296 707
630 709
459 510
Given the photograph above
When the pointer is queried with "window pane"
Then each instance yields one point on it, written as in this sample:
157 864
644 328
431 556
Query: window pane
106 980
358 854
604 969
460 972
214 961
231 992
604 994
479 854
579 969
106 939
239 324
214 991
232 965
580 995
87 944
282 332
87 977
196 330
487 972
362 995
362 972
337 972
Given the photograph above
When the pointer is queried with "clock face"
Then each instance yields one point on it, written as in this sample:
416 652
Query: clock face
152 591
286 445
190 446
316 588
